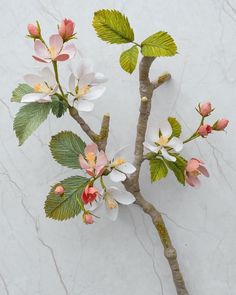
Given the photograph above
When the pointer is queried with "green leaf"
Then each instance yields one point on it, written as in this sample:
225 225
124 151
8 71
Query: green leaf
178 168
29 118
66 148
112 26
158 169
66 206
129 58
59 106
20 91
176 127
159 44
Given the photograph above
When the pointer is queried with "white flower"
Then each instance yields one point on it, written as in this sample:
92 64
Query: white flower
44 86
109 204
84 86
120 167
163 141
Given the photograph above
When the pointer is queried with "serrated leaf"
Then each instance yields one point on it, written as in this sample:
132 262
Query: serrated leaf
65 206
158 169
129 58
176 127
20 91
112 26
66 148
29 118
178 168
59 106
159 44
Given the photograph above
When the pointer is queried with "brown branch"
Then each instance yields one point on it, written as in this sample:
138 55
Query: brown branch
132 183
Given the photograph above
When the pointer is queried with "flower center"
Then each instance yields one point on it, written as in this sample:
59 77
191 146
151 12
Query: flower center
118 162
82 91
53 52
110 202
42 87
163 140
91 157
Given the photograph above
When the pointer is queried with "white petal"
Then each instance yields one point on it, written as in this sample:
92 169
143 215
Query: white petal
72 83
123 197
93 206
95 92
32 97
86 79
48 76
167 156
32 79
153 134
85 106
127 168
166 129
150 147
176 144
112 213
99 78
117 176
85 67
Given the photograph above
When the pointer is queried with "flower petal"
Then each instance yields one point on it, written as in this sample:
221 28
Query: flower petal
48 76
70 50
95 92
167 156
117 176
166 129
203 170
112 214
72 83
153 135
83 163
86 79
62 57
40 49
99 78
127 168
41 59
176 144
151 147
193 180
101 159
33 97
85 67
85 106
56 43
32 79
122 197
91 148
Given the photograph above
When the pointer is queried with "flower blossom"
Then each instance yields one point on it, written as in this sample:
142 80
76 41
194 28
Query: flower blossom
204 130
33 30
44 86
84 86
205 109
161 143
194 169
221 124
93 162
56 51
88 218
66 29
89 194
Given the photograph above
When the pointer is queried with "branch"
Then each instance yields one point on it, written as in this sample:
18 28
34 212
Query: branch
162 79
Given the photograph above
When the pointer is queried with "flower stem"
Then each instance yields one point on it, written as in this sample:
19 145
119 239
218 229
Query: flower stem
54 63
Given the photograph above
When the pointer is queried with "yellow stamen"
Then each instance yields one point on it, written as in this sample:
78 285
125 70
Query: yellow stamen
82 91
163 140
110 202
38 87
91 157
53 52
118 162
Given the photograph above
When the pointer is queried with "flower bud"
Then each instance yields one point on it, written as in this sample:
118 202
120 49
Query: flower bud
66 29
89 194
59 190
33 30
205 109
88 218
221 124
204 130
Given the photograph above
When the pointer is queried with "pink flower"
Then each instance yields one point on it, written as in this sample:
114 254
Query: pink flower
205 109
204 130
193 169
88 218
59 190
56 50
33 30
221 124
94 162
89 194
66 29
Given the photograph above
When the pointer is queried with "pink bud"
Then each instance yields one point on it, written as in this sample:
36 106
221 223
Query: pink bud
221 124
205 109
88 218
66 29
204 130
33 30
59 190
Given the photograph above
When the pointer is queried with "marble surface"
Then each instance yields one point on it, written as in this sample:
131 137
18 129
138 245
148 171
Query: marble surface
41 256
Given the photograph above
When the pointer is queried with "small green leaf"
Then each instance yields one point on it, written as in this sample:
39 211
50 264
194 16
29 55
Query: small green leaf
66 148
176 127
129 58
158 169
178 168
66 206
29 118
159 44
20 91
112 26
59 106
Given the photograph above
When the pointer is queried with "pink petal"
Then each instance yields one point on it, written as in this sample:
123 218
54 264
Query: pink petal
56 42
192 180
91 148
62 57
40 59
203 170
192 165
83 163
69 49
40 49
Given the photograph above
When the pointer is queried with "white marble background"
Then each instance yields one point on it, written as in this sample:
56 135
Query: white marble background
42 256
